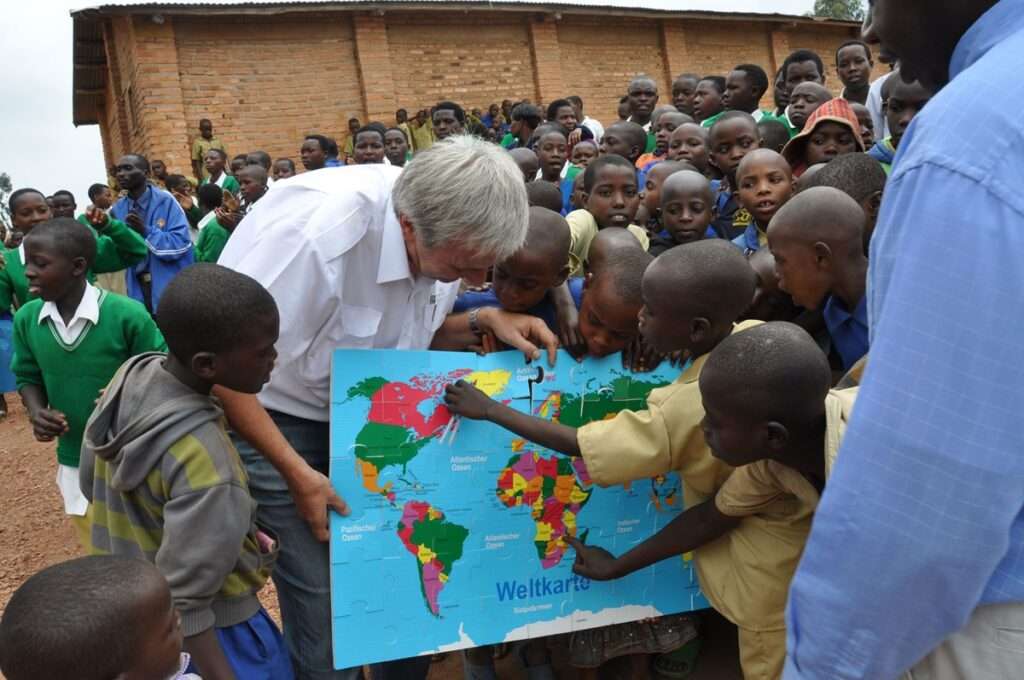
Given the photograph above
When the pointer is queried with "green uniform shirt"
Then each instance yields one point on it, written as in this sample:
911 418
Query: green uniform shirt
73 375
229 183
212 239
117 248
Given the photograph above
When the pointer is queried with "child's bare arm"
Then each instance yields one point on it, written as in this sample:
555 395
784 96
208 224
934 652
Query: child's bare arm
697 526
464 399
47 424
568 321
208 656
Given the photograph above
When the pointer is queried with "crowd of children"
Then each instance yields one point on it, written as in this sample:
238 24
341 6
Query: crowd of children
729 240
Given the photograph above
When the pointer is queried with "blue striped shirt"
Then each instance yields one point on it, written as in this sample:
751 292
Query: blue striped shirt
923 517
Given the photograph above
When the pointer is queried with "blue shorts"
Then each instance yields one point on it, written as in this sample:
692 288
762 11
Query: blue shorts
255 649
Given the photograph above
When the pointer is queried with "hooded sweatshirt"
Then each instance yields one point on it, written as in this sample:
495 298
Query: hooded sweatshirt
166 485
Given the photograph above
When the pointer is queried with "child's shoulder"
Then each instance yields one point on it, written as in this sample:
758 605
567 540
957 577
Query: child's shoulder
121 306
29 310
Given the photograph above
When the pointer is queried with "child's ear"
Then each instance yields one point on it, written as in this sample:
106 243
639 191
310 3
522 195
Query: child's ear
204 365
78 266
562 276
822 253
636 151
700 327
872 204
776 436
586 280
586 199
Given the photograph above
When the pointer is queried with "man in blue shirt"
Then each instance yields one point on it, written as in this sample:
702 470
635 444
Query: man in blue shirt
920 535
156 215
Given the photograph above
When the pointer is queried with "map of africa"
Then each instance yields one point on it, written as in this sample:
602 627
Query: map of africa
456 537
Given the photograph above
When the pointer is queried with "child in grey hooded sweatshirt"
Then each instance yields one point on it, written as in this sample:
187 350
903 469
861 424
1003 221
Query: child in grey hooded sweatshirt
167 485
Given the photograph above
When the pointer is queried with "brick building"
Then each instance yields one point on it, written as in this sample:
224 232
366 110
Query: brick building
266 74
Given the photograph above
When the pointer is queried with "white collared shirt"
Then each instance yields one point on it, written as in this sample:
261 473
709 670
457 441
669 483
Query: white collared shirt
329 248
874 104
88 311
595 127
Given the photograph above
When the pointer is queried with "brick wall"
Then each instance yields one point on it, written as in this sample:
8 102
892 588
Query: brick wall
267 80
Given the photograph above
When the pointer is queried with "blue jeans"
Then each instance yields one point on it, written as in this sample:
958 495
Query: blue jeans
302 573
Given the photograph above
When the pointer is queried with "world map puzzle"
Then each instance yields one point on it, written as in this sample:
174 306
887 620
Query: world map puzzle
456 536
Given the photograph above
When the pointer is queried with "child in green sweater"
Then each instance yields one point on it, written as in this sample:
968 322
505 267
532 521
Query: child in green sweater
117 245
68 342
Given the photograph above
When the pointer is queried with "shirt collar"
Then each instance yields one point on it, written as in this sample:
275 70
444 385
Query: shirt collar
394 259
836 312
1002 20
88 308
21 252
144 200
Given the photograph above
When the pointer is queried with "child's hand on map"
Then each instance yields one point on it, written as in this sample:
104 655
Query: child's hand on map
464 399
592 562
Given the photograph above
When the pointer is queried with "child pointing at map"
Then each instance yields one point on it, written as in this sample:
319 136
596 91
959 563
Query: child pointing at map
633 445
770 413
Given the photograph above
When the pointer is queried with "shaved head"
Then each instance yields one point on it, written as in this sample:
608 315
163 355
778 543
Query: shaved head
257 172
625 273
821 214
763 156
608 245
687 182
819 91
709 279
772 372
548 236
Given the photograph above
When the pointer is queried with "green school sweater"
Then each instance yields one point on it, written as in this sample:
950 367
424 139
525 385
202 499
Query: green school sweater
211 242
117 248
230 184
72 376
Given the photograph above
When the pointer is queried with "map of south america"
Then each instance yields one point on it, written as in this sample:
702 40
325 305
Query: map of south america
437 545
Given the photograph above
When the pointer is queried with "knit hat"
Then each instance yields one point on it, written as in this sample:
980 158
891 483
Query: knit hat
833 111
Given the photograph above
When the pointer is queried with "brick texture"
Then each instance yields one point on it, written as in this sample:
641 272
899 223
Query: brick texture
267 80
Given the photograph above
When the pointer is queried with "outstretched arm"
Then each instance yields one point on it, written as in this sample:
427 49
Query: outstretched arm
463 399
697 526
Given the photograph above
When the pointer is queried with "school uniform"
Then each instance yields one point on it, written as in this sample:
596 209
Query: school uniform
422 136
848 330
751 240
583 228
117 248
167 238
74 361
745 574
211 241
665 436
200 147
225 182
731 220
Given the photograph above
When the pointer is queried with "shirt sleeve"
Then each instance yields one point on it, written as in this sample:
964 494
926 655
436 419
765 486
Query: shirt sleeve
118 247
145 336
6 290
171 241
918 518
24 365
749 490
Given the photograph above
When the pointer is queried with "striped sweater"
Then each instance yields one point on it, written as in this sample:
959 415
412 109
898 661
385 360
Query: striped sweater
166 485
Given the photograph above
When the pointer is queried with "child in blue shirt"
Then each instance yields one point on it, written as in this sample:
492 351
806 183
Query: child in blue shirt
817 241
764 182
731 137
523 283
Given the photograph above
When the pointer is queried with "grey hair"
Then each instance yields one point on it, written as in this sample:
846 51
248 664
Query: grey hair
467 190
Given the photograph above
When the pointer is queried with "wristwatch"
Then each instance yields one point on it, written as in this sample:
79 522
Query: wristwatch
474 322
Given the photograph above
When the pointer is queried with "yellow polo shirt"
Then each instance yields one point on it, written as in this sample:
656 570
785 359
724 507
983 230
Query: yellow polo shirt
583 228
746 573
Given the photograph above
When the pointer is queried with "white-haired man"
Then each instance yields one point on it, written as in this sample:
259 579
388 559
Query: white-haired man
361 257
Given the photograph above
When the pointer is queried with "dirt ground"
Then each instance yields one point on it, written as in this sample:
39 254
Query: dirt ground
34 533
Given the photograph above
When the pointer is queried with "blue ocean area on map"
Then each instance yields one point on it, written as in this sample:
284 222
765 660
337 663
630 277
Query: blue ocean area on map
456 536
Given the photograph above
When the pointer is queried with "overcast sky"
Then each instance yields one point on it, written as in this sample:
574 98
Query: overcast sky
40 147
